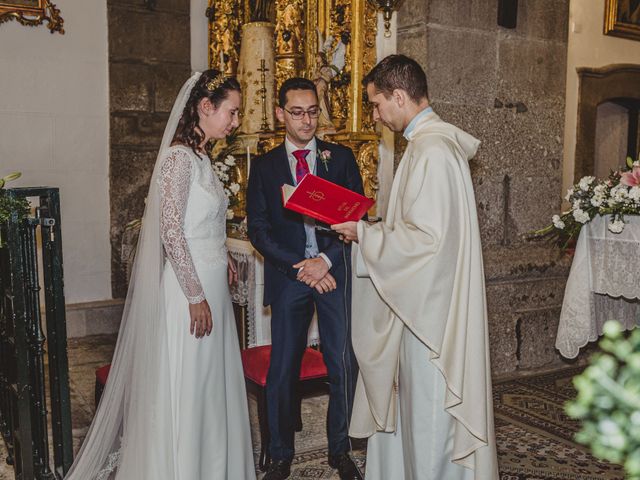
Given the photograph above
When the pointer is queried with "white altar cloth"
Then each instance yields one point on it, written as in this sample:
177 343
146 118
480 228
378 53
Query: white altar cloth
604 284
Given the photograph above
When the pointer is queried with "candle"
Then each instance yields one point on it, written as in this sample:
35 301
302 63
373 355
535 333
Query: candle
221 61
248 162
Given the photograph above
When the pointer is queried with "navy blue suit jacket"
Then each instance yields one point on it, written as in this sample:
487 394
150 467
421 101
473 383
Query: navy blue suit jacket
278 233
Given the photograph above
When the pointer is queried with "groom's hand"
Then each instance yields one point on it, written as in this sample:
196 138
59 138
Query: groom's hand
312 270
326 284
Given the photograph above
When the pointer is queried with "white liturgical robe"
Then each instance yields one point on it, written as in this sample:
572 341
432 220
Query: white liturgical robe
420 318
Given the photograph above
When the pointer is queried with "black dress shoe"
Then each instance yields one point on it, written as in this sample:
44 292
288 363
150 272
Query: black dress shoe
346 468
278 470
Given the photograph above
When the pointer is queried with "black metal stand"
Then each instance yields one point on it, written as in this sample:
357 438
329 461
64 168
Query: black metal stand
23 344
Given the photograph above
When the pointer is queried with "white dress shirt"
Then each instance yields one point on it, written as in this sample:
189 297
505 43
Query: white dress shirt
311 248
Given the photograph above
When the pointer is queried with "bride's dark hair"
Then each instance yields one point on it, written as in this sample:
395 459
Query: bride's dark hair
216 87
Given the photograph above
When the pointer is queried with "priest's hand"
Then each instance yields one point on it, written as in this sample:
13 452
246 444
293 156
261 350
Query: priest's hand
348 231
312 270
326 284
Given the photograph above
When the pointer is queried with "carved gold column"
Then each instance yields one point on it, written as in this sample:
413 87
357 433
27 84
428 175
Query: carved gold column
354 123
290 38
311 38
324 15
225 22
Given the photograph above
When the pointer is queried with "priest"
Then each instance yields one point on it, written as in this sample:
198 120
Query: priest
419 310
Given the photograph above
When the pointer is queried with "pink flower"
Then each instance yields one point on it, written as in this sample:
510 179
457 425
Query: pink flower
632 178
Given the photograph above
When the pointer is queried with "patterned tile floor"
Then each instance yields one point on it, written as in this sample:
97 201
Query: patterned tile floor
532 432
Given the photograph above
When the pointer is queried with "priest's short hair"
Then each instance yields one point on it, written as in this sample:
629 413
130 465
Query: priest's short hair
398 72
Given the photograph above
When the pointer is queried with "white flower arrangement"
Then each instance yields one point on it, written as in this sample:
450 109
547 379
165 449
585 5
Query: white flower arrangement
557 222
223 163
617 196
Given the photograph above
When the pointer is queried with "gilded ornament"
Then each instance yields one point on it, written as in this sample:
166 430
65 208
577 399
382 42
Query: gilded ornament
33 13
215 82
294 48
224 34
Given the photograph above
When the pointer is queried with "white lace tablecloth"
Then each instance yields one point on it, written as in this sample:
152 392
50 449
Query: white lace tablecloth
604 284
248 291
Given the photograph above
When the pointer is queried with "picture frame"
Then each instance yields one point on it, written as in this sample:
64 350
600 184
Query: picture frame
32 13
622 18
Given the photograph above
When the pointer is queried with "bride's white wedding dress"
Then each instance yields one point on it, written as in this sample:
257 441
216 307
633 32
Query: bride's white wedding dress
174 406
209 415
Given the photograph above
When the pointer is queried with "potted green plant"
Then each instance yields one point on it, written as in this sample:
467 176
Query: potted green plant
608 400
10 205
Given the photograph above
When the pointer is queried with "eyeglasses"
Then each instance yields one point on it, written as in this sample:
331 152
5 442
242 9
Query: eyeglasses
299 114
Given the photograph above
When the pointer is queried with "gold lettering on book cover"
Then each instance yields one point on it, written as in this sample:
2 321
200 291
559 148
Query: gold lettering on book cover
316 195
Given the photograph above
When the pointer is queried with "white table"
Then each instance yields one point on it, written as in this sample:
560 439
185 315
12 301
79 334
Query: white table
604 284
248 291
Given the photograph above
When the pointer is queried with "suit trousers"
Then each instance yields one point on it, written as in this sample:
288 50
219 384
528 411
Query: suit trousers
291 316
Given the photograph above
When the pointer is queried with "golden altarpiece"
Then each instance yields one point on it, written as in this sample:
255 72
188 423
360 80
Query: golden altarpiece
263 43
293 48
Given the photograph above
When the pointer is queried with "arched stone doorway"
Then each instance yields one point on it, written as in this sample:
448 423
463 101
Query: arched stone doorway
614 84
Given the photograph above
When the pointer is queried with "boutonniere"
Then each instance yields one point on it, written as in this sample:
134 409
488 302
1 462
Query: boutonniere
324 156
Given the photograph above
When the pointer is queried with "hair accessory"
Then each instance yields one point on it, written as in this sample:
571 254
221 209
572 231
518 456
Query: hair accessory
215 82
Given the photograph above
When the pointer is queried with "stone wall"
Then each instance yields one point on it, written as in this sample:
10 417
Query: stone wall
149 59
507 88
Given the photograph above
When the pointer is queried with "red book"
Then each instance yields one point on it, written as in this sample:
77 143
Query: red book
325 201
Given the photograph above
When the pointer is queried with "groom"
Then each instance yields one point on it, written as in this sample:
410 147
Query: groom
305 269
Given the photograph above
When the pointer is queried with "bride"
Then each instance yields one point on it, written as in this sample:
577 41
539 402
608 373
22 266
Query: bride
175 407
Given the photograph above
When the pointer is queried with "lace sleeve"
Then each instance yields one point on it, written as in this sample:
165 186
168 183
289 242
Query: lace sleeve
175 179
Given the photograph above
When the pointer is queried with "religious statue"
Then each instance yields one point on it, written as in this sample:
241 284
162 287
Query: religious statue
325 72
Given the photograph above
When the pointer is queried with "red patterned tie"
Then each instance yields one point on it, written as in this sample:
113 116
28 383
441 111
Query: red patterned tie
302 167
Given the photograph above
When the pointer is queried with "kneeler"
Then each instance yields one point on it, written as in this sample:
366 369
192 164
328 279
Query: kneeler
101 380
313 380
255 362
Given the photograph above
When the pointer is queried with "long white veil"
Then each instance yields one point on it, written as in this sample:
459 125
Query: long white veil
135 405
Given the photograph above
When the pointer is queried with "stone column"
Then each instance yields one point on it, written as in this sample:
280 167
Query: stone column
507 88
149 59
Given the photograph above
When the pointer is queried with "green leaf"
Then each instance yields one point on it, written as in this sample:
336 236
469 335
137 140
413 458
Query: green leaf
611 328
12 176
629 162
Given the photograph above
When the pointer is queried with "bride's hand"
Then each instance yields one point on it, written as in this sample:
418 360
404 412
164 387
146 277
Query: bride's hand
232 269
201 321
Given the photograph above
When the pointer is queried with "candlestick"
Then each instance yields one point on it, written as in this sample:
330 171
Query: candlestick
248 162
263 95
